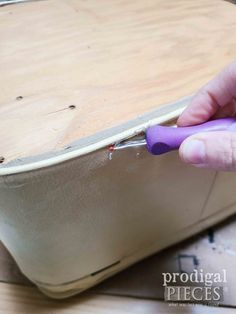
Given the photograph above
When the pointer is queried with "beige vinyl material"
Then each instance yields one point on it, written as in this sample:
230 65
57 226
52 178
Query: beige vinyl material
71 222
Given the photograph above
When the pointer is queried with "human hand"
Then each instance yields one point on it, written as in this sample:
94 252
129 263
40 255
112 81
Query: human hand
217 99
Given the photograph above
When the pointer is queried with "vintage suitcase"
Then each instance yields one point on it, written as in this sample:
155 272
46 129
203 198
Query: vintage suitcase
77 77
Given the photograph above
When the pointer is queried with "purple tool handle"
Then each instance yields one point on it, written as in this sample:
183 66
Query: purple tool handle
162 139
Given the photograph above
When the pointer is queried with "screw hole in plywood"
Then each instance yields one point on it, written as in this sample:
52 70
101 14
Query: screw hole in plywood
19 97
1 159
72 107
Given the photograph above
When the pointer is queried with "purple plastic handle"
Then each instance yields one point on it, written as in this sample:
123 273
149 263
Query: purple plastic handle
163 139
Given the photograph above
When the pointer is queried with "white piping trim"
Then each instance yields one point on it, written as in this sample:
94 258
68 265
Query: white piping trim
2 3
88 149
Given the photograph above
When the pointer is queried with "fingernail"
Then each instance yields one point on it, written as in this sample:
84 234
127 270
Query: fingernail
193 151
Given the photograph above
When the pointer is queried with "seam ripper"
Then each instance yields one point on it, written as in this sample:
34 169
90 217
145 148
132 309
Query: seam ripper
163 139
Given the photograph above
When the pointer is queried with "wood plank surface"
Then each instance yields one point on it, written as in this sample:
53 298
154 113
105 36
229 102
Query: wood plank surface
71 68
27 300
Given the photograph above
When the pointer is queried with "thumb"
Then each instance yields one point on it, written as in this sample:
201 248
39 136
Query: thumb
214 150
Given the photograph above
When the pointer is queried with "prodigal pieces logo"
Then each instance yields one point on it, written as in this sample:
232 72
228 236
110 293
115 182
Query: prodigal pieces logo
195 287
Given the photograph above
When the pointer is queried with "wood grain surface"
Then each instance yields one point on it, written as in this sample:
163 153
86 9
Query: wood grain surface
26 300
71 68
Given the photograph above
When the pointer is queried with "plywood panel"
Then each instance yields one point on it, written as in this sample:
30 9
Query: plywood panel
85 66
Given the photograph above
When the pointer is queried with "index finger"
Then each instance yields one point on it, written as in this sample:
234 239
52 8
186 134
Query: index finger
213 96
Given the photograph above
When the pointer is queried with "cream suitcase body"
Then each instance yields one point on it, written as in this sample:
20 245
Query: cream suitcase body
74 216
